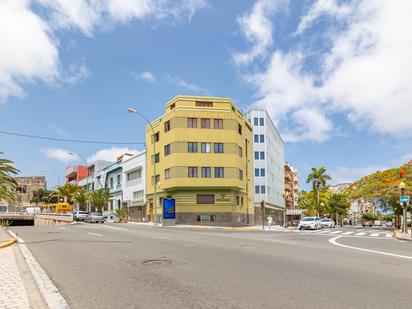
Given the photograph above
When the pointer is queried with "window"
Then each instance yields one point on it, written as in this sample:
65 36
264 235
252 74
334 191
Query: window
263 189
119 179
262 155
167 150
255 121
262 172
167 173
239 129
261 122
240 151
192 172
205 199
134 174
241 201
218 147
256 155
257 190
205 147
111 182
192 122
156 158
218 123
156 137
205 123
219 172
262 138
157 179
192 147
256 138
138 195
240 175
237 200
167 126
206 172
204 104
257 172
205 218
172 106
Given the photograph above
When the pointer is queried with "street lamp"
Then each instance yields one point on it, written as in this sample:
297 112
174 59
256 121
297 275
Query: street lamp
133 111
87 168
285 196
402 186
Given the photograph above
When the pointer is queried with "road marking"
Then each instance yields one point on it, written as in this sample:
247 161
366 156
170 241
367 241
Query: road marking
322 232
336 232
347 233
374 234
116 228
19 240
360 234
95 234
388 235
334 242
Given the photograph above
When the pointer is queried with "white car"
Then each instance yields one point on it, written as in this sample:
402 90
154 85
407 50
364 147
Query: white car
311 223
326 222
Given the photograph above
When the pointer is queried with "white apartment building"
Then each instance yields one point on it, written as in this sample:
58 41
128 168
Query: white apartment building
134 193
269 162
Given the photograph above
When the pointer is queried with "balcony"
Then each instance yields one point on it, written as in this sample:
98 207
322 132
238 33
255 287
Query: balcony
71 171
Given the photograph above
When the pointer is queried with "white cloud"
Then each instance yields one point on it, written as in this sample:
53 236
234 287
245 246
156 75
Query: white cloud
177 81
364 70
28 49
110 154
257 28
146 76
75 74
60 154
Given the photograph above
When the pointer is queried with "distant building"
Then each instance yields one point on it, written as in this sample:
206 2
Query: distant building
337 188
289 186
268 152
296 186
25 188
75 173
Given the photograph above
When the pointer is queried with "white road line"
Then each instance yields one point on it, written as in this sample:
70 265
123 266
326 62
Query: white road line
333 242
95 234
374 234
347 233
323 232
19 240
336 232
388 235
115 228
360 234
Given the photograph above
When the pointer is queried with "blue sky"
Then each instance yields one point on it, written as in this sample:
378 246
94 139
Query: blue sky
334 75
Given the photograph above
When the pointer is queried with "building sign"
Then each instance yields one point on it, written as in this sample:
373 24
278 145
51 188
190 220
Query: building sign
169 208
404 199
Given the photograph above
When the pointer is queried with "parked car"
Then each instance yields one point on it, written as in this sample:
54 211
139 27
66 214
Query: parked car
367 222
377 223
32 210
312 223
94 217
80 215
326 222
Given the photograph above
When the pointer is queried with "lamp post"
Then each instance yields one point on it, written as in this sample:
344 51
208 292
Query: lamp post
132 110
87 176
402 186
58 182
285 196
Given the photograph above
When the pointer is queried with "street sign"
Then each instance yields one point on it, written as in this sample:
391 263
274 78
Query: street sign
404 199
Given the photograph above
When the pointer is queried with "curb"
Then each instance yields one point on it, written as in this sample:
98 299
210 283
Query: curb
7 243
396 234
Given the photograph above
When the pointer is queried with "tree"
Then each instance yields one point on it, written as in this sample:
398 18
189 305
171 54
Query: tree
318 178
40 195
121 214
307 201
8 184
338 206
99 198
81 198
68 190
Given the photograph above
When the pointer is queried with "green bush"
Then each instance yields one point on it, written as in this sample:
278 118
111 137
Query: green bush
369 216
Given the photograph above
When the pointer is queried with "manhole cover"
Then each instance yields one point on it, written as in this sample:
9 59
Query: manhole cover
157 262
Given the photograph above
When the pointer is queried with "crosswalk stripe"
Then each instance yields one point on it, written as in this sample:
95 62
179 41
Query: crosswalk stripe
374 234
336 232
347 233
323 232
360 234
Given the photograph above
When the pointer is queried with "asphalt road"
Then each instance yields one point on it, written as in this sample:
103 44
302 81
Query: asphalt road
132 266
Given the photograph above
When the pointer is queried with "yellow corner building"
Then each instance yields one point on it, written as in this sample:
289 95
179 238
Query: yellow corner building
203 156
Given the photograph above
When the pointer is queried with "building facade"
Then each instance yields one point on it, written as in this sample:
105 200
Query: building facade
75 173
25 188
203 160
289 187
268 154
134 181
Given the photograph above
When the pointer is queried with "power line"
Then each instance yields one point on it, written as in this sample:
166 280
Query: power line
70 140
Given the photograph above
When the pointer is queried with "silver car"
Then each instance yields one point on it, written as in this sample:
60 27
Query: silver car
80 215
94 217
310 223
326 222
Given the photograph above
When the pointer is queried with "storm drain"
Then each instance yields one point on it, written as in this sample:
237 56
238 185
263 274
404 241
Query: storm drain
157 262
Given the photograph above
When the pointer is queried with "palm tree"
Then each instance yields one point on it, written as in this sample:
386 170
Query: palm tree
8 184
318 178
68 191
81 197
99 198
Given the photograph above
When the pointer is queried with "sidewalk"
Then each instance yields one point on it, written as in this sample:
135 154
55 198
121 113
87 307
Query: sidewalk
402 236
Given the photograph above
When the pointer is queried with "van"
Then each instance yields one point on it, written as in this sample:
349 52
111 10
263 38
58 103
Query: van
32 210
